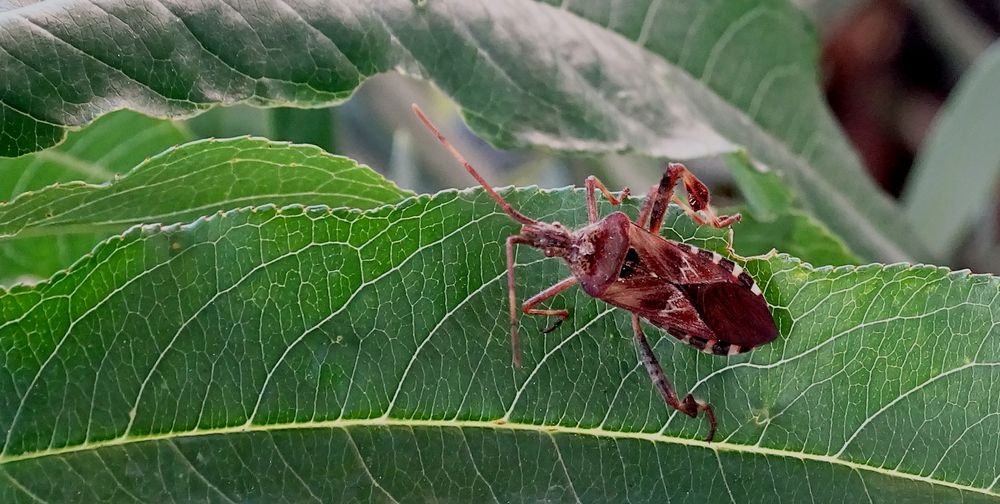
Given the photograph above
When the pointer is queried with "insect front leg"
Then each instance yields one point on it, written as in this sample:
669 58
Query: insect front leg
515 341
689 405
529 306
594 183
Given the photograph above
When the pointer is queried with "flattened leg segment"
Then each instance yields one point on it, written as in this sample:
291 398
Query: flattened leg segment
655 208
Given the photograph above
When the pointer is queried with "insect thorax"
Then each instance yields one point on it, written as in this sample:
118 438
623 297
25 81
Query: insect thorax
597 252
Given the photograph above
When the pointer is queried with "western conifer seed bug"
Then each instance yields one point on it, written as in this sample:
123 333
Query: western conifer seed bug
698 296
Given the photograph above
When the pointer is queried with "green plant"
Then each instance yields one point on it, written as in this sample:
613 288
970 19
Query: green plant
260 319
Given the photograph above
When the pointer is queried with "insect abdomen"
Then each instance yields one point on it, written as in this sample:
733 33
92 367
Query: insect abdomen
716 347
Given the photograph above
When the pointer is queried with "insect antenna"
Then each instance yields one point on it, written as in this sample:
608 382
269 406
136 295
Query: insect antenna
518 216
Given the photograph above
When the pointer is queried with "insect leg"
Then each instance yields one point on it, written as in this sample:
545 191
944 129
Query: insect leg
689 405
698 199
732 253
529 306
515 341
655 208
592 183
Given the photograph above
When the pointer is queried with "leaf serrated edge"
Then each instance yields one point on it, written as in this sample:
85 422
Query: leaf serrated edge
470 194
890 267
259 142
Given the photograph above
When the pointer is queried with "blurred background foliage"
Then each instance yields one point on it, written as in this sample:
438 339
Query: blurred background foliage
892 71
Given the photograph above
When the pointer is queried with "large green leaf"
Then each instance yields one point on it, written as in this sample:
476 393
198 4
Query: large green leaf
666 78
339 355
40 229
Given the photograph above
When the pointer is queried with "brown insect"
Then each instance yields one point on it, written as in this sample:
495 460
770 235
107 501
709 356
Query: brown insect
698 296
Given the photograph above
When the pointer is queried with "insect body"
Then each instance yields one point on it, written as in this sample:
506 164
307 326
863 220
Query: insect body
698 296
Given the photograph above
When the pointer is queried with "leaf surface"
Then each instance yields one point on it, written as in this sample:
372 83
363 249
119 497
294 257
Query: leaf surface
113 144
671 78
792 232
180 185
772 221
339 355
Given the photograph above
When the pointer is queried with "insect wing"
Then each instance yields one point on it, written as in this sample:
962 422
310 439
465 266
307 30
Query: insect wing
660 302
698 296
737 316
677 263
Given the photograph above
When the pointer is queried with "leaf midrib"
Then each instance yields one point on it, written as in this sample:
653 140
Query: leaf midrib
551 430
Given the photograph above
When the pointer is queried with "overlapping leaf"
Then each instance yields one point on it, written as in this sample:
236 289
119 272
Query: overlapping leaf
114 144
180 185
338 355
665 78
771 220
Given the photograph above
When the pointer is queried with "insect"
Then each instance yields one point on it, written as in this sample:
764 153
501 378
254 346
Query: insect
698 296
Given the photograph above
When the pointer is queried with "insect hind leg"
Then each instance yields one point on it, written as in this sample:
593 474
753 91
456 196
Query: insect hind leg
689 405
698 201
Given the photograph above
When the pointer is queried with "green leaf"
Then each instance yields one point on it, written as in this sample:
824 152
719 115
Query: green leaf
40 230
792 232
956 173
343 355
111 145
765 193
671 78
772 221
310 126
